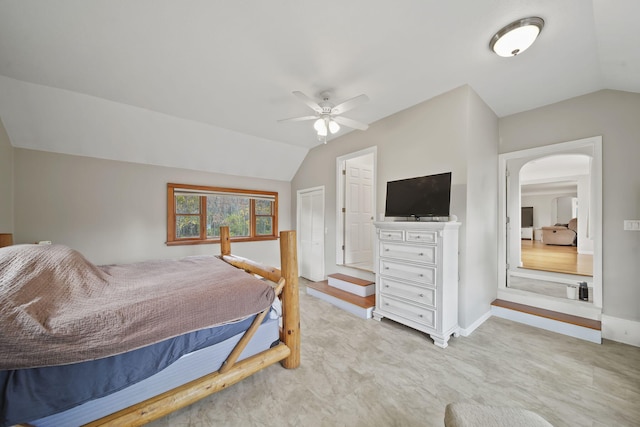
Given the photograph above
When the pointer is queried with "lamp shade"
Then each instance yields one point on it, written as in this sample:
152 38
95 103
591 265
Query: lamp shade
333 126
516 37
320 126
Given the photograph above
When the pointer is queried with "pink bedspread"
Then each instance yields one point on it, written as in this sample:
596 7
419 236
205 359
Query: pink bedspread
58 308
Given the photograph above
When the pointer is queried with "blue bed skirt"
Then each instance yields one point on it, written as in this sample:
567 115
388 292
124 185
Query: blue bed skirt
31 394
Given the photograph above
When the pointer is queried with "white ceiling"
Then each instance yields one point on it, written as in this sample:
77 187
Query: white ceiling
555 174
175 83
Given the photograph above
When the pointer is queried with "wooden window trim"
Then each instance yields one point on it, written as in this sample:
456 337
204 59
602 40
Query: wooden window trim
172 188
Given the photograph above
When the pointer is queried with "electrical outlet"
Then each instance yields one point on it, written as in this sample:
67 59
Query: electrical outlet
632 224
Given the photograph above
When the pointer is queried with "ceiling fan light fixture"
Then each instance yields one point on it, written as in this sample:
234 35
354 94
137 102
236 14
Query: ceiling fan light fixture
327 118
334 127
320 126
516 37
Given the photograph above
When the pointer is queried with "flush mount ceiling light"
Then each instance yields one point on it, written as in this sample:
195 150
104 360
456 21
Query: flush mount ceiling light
516 37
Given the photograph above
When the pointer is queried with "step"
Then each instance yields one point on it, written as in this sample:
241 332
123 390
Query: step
566 324
357 305
354 285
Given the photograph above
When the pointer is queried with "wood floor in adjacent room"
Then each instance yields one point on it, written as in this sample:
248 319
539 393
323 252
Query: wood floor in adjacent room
560 259
358 372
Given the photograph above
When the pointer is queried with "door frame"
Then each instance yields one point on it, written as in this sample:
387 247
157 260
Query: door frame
595 144
299 195
341 195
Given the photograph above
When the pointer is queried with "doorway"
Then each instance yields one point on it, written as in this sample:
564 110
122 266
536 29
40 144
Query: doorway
311 229
554 231
355 209
531 286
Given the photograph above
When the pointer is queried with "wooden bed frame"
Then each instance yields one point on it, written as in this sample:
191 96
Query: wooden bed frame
287 351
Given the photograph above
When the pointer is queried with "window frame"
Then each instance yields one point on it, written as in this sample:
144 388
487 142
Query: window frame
173 188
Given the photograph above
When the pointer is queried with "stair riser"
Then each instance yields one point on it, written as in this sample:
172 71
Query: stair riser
361 291
587 334
364 313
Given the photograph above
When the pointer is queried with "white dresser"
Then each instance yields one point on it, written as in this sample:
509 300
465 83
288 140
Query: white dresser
417 276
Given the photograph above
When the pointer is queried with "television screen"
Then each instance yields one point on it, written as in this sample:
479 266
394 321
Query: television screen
425 196
526 217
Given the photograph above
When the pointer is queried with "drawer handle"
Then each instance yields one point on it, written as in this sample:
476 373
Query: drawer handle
421 254
386 250
386 268
419 315
421 295
417 237
421 275
386 286
386 303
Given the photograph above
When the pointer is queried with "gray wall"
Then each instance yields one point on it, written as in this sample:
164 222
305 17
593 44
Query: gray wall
115 212
616 116
6 182
479 271
453 132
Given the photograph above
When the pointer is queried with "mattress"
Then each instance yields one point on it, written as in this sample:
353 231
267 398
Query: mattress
75 394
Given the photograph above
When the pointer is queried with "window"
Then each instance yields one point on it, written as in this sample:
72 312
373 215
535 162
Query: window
195 214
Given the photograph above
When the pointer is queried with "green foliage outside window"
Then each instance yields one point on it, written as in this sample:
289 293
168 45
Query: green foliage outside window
187 226
187 204
231 211
264 226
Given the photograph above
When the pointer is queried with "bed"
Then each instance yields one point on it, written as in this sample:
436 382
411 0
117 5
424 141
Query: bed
137 372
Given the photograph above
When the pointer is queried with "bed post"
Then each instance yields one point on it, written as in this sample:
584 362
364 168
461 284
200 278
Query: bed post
225 242
290 298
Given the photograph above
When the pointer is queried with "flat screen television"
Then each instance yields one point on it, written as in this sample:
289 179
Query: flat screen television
421 197
526 216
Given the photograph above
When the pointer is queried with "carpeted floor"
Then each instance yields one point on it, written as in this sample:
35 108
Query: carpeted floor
357 372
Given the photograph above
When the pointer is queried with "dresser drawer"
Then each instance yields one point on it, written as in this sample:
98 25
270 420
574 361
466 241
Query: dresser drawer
422 274
417 294
408 252
393 235
421 315
421 236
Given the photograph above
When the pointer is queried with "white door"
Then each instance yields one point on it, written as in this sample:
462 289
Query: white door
311 233
358 211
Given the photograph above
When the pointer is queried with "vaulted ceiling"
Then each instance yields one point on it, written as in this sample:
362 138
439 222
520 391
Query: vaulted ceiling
202 84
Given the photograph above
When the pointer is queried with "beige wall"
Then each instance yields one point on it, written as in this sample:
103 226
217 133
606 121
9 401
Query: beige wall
616 117
115 212
453 132
6 182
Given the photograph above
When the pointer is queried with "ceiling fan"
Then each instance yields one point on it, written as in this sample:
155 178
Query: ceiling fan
327 115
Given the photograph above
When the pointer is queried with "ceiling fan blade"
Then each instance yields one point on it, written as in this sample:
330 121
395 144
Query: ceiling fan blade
349 104
350 123
298 119
310 102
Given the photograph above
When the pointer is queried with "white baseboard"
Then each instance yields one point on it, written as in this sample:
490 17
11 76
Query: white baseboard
613 328
621 330
468 331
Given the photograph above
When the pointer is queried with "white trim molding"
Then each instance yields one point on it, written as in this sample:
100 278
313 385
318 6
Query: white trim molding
475 325
621 330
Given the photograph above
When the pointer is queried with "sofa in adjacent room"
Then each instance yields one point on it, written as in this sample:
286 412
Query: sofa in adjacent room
561 234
